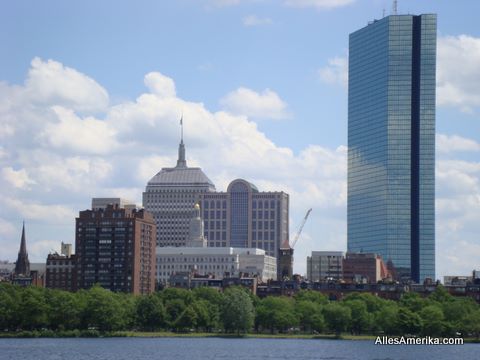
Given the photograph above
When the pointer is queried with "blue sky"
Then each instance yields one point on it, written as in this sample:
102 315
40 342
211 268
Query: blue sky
91 92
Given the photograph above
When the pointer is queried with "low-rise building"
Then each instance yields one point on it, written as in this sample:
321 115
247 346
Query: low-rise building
325 266
364 268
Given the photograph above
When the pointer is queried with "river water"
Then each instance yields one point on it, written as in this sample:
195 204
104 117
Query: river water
218 348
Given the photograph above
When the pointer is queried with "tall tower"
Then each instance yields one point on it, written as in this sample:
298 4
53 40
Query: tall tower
170 196
22 266
391 142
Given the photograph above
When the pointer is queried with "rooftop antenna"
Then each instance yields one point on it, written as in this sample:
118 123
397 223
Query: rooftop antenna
395 7
383 13
181 128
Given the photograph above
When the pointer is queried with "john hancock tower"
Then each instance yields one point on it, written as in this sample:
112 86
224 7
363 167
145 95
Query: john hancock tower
391 143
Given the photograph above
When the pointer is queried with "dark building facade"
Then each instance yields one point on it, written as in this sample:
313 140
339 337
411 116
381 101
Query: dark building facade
61 272
391 143
115 247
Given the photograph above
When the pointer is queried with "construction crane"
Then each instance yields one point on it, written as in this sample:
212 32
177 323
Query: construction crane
300 228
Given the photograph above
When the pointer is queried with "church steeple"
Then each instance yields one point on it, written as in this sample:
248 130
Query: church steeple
22 266
181 162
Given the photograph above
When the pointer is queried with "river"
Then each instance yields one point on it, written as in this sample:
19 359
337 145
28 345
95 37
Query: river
227 348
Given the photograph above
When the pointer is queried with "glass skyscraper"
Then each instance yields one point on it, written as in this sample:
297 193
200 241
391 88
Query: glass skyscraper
391 143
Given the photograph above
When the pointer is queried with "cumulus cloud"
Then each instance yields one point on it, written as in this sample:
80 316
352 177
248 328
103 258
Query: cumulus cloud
132 140
50 82
336 72
254 20
160 85
87 135
318 4
244 101
18 178
449 144
458 73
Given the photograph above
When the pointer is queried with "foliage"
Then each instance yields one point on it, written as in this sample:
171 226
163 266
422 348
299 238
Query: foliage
237 311
37 312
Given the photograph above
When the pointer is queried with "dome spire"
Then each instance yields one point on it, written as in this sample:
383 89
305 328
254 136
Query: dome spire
181 162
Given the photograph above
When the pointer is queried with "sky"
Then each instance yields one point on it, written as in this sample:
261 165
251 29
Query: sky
91 94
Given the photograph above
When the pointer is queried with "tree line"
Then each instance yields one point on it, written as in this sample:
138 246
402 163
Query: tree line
236 310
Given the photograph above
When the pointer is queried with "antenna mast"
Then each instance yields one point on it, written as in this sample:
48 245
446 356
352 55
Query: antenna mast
395 7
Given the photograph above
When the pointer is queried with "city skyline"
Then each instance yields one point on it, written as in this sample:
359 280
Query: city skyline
90 108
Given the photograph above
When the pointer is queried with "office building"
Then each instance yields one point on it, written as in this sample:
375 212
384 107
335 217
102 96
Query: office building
170 196
325 265
221 262
364 268
243 217
391 143
115 247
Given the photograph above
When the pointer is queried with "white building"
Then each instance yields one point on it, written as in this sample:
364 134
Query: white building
218 262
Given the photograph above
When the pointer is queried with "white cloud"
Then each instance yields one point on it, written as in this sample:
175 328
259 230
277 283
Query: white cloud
266 104
454 143
319 4
458 73
49 82
87 135
35 211
254 20
141 136
160 85
336 72
18 178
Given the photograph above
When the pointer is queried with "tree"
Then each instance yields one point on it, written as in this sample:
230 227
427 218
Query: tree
432 317
337 317
412 301
9 304
310 295
387 319
187 320
32 309
471 324
441 295
174 307
150 312
408 322
361 320
310 316
64 310
103 310
276 313
237 312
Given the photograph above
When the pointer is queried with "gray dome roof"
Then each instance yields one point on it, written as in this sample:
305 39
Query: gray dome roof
183 176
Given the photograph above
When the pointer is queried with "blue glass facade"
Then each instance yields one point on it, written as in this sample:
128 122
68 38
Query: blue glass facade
391 141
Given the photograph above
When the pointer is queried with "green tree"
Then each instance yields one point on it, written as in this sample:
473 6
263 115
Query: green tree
64 310
150 312
412 301
103 310
310 295
337 317
361 319
433 323
174 307
186 320
9 307
408 322
471 324
387 319
310 316
441 295
33 309
237 312
276 313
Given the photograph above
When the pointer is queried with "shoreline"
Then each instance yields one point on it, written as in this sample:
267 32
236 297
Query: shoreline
168 334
